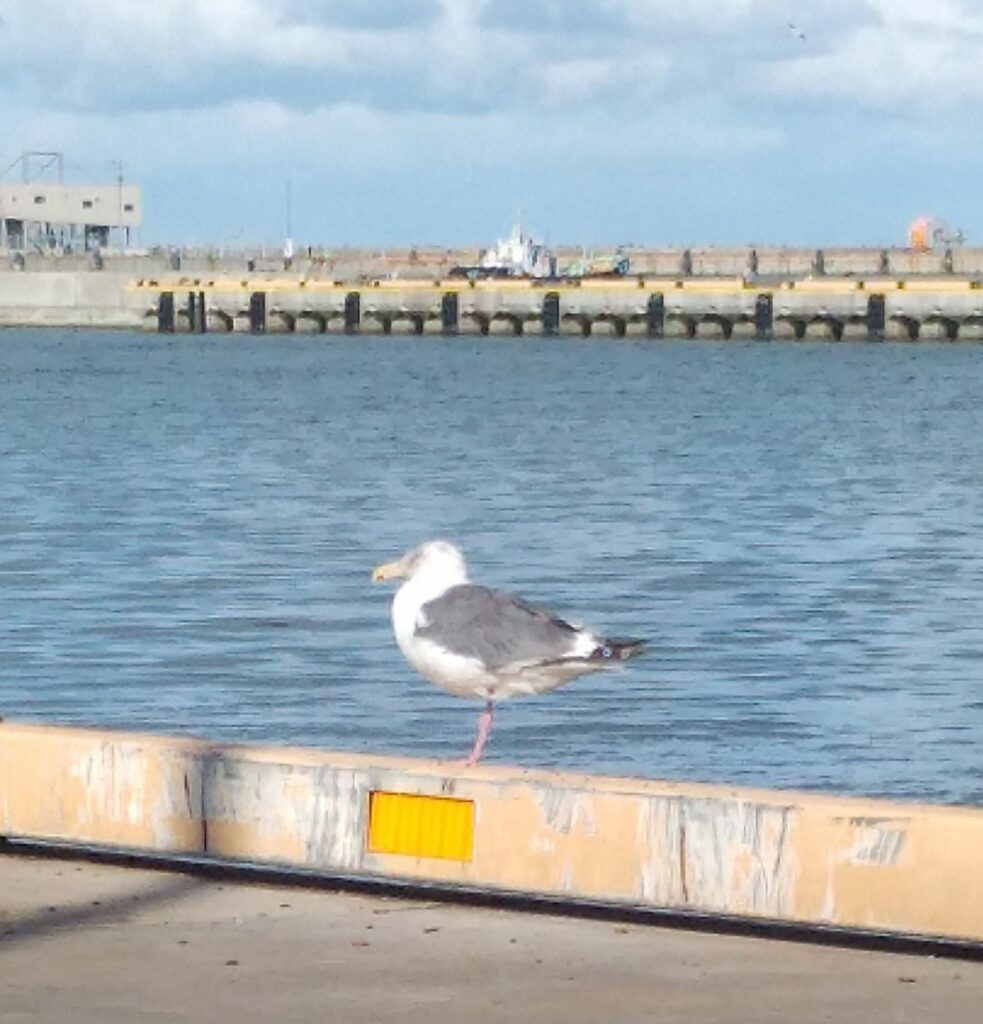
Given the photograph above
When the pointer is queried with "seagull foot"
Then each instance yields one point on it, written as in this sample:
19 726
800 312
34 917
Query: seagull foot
484 728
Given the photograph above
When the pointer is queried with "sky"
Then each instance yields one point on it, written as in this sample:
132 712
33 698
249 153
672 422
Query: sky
437 122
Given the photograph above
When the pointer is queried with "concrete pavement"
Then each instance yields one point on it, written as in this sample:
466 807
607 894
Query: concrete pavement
92 943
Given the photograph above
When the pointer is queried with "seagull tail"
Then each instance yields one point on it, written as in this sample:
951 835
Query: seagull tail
621 649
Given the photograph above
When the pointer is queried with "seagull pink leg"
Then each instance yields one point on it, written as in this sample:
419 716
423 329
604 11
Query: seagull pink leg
484 728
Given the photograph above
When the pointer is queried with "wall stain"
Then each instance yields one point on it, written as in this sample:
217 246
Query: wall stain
565 810
880 846
719 855
682 862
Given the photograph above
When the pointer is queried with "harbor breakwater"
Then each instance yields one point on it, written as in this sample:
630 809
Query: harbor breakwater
781 294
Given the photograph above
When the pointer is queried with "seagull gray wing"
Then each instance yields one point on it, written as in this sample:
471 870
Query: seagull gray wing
495 628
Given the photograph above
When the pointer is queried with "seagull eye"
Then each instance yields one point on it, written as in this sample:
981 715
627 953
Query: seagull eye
606 651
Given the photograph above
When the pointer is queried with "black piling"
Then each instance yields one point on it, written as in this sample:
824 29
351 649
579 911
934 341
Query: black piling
764 315
876 316
551 313
257 313
199 323
656 315
353 312
448 313
165 313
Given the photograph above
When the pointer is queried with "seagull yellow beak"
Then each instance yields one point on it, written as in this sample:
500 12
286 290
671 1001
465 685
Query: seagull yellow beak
388 571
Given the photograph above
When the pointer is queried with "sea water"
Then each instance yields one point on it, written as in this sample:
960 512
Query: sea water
188 524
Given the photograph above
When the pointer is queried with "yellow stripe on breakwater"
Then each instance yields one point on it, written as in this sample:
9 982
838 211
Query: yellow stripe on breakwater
694 285
788 856
272 285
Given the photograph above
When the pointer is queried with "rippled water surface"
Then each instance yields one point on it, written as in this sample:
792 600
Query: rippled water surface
187 527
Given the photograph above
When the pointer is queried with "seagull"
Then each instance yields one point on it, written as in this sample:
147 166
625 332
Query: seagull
471 641
796 30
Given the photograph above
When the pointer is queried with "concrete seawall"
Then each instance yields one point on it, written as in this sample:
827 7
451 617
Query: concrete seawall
69 299
791 857
813 308
361 264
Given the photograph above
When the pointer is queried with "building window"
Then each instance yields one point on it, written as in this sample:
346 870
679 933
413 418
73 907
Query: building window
40 200
86 204
127 207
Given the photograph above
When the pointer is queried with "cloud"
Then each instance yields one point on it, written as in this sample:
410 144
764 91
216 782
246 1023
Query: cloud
406 109
93 50
481 55
447 54
921 53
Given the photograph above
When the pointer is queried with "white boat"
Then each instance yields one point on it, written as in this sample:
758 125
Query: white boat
519 255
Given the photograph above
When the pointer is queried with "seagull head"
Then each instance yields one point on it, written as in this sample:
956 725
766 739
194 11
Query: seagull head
438 559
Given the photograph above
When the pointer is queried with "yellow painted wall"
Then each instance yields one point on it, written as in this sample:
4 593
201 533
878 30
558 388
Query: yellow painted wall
791 856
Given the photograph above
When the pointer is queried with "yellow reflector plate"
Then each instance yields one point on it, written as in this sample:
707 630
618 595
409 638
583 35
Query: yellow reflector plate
421 826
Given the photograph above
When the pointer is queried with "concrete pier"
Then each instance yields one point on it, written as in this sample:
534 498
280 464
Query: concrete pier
831 306
826 309
84 943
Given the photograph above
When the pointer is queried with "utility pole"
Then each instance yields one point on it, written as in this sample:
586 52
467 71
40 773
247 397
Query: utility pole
123 238
288 245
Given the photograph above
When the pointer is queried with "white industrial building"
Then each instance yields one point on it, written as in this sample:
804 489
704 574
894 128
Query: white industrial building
45 216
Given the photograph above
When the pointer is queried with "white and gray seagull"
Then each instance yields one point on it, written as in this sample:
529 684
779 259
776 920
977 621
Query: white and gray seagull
475 642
